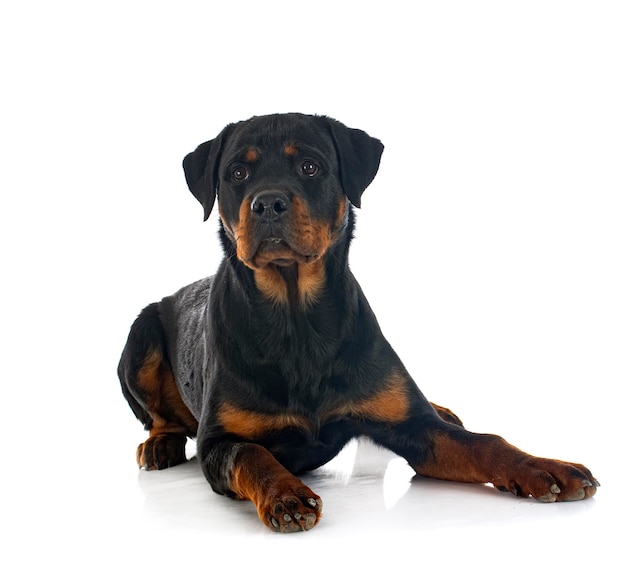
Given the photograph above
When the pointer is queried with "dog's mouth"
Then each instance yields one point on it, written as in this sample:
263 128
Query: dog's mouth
276 251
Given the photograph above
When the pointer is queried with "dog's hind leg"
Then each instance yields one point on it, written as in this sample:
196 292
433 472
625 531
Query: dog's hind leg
447 415
150 389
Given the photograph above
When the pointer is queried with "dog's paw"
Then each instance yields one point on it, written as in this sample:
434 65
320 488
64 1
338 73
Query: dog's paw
549 481
162 451
290 509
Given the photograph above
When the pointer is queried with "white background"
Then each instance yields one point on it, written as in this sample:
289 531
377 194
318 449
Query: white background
491 245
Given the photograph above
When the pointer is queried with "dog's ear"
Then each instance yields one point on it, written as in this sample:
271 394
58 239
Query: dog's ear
200 168
359 157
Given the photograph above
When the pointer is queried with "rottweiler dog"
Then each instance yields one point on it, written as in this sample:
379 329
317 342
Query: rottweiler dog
277 361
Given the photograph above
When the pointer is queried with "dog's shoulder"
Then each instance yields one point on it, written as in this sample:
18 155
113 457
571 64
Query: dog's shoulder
182 312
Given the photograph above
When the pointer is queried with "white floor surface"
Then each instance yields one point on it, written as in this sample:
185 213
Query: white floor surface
98 505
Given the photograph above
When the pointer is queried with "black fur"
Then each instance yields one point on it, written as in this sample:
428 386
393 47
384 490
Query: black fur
264 349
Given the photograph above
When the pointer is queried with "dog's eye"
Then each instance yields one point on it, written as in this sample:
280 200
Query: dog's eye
309 168
239 173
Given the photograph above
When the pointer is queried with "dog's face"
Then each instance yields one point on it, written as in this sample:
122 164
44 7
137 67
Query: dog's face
284 184
280 198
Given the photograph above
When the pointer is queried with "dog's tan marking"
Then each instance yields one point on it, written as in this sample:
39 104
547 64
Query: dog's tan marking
447 414
252 155
282 501
389 405
249 424
163 400
311 240
311 281
240 231
311 234
271 283
291 150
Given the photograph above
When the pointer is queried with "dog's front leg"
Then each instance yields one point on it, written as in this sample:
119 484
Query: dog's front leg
459 455
249 471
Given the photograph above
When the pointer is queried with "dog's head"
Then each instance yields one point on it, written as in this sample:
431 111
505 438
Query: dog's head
284 184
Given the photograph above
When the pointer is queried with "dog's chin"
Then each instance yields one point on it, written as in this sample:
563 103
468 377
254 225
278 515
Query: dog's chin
277 252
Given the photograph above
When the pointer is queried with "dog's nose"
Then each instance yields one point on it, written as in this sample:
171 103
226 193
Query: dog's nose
270 204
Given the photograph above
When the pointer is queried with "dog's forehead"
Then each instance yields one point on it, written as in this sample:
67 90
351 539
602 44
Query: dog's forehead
280 133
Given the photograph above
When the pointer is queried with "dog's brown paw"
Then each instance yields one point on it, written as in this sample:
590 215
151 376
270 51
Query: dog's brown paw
291 510
162 451
549 481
